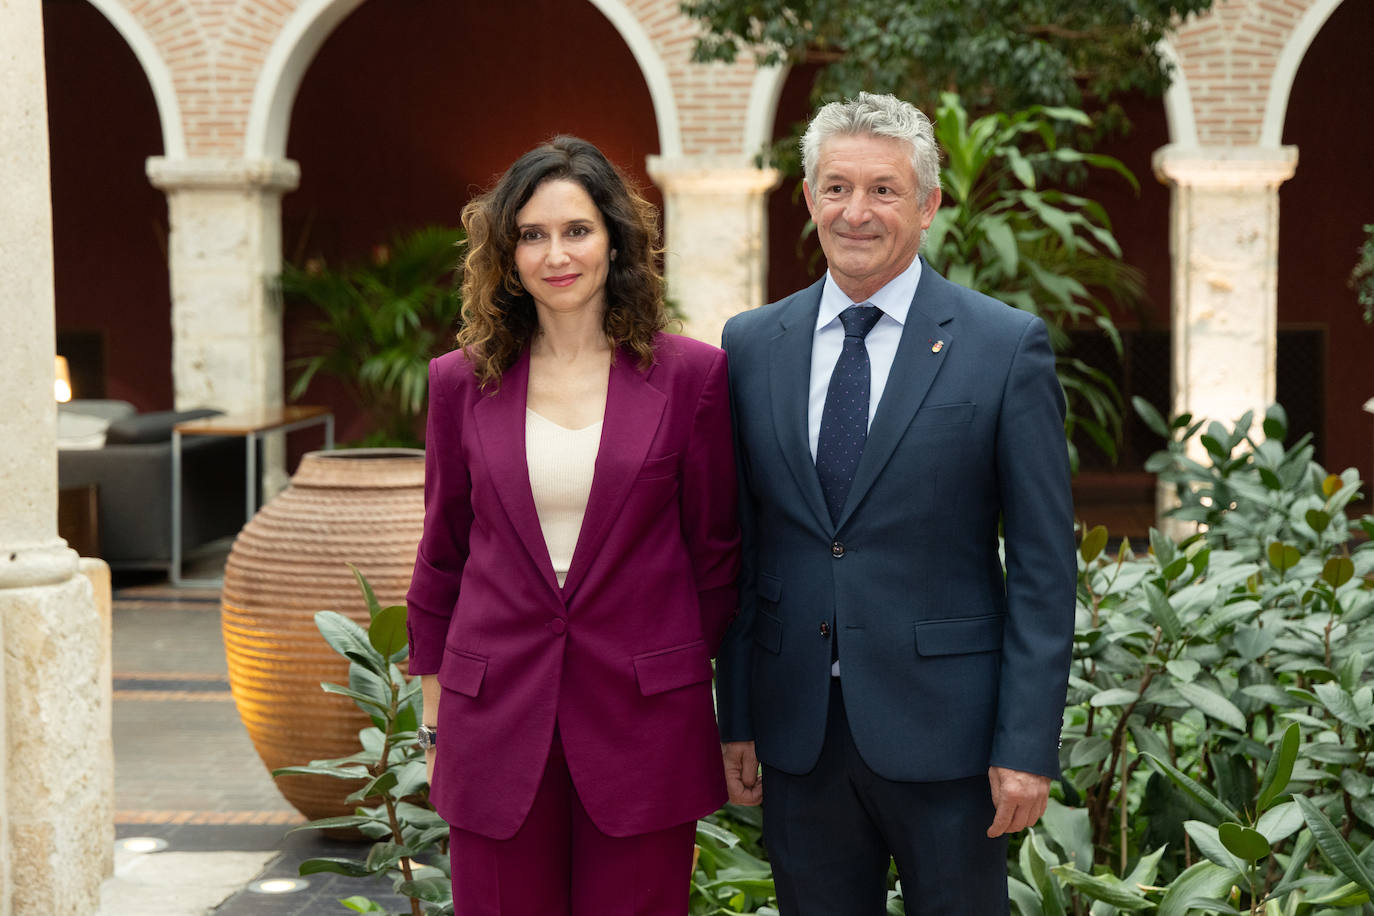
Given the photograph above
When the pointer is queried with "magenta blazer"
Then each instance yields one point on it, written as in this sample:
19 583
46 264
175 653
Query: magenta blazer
619 658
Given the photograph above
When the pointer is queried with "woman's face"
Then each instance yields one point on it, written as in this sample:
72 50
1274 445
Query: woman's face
562 249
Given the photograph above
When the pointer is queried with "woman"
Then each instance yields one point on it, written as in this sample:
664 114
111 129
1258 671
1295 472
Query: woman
578 562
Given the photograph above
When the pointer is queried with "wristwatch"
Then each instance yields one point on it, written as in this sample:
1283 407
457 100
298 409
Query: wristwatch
427 736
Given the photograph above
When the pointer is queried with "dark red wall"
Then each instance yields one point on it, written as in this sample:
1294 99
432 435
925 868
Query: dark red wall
1321 211
401 119
109 223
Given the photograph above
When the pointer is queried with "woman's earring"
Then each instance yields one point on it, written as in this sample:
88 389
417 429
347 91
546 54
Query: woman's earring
612 254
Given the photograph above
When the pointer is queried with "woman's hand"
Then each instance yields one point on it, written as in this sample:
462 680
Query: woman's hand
430 692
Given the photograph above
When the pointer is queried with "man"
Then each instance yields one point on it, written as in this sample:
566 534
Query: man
903 693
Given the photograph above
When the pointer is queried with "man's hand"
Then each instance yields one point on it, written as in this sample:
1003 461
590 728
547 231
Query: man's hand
1020 799
742 779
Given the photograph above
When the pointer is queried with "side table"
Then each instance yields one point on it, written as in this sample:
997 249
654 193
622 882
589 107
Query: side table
251 426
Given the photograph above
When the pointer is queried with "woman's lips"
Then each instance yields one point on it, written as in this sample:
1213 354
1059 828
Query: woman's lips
564 280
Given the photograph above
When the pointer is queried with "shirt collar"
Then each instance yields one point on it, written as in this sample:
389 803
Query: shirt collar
894 299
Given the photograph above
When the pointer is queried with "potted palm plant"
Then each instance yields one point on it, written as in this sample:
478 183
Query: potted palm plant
377 323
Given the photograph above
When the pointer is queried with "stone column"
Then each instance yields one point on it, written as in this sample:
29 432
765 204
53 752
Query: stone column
716 228
1223 239
56 822
224 253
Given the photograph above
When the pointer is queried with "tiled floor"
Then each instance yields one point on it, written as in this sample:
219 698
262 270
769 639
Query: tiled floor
186 772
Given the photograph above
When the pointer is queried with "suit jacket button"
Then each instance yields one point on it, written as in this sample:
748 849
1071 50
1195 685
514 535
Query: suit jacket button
558 626
837 550
825 629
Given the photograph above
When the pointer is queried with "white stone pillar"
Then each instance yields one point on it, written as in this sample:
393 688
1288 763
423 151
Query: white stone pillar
716 229
1223 240
56 826
224 255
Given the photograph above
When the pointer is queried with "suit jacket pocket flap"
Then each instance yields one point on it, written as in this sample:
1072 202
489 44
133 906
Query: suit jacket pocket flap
768 631
943 415
462 671
769 587
669 669
959 635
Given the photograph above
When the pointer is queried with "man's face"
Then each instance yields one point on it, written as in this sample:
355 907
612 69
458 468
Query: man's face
867 210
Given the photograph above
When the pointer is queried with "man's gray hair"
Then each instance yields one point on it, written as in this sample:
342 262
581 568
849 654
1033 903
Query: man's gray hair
876 116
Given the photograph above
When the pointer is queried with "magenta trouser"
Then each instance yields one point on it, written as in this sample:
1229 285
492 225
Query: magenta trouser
559 864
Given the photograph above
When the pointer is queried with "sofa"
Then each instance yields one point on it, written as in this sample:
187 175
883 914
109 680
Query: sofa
128 457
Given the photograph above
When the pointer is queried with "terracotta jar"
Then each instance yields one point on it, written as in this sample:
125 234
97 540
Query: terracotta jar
359 506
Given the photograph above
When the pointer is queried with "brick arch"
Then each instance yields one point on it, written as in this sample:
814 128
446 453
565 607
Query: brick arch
268 119
155 68
1231 59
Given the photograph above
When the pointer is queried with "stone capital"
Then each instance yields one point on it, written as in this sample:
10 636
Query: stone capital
724 175
37 564
1225 166
223 174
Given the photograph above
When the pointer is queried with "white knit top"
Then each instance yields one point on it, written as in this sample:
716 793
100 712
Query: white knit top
561 463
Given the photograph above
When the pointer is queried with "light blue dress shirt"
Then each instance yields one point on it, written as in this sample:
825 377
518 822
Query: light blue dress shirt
894 299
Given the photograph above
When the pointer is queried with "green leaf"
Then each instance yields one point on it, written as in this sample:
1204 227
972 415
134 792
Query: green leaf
1183 669
1193 789
1282 556
349 640
1212 704
1071 830
1275 423
1333 846
1115 696
1093 543
1317 520
1245 842
373 606
1151 417
1203 881
1280 768
1162 613
1280 822
337 823
430 890
335 865
1208 841
388 633
1108 889
362 905
1342 705
1338 571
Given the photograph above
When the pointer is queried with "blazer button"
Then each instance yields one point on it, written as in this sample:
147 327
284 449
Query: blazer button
558 625
837 550
825 629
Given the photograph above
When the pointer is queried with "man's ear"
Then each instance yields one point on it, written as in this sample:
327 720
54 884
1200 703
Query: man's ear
931 205
810 204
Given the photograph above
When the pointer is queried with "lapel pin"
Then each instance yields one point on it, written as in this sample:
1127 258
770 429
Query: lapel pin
937 346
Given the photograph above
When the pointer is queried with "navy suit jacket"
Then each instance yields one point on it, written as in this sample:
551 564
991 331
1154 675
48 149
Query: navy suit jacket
951 661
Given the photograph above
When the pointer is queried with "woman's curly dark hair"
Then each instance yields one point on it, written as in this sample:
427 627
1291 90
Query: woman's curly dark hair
498 314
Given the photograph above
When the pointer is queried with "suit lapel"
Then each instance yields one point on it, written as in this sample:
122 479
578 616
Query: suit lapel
789 374
914 368
634 408
500 421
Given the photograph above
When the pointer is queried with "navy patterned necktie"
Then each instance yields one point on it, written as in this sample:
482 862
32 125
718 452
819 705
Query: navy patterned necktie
844 420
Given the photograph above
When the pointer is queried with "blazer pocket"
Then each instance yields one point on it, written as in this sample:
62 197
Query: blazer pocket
669 669
768 630
944 415
462 671
663 466
960 635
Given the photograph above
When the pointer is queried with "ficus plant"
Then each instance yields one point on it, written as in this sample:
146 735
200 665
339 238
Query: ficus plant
409 839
